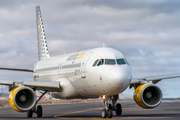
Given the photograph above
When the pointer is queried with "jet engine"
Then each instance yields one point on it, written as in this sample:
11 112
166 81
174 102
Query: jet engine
22 99
148 95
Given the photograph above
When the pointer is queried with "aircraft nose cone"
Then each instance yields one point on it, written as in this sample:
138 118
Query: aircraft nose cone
120 77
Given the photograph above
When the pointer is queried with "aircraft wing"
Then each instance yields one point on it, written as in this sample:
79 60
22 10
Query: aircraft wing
37 85
154 79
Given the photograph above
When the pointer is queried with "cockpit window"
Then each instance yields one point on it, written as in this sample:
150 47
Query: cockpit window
120 61
101 62
95 63
110 61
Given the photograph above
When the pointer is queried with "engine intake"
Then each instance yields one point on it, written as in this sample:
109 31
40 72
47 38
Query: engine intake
22 99
148 95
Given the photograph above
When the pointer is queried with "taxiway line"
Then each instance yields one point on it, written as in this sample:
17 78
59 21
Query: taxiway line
61 115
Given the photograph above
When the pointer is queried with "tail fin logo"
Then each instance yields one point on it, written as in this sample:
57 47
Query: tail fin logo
41 38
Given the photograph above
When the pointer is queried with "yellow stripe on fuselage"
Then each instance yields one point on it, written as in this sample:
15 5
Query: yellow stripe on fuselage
81 56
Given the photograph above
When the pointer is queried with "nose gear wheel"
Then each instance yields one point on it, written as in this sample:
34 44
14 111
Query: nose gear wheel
109 108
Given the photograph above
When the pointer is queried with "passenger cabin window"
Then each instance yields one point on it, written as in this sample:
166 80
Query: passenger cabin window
120 61
95 63
101 62
110 61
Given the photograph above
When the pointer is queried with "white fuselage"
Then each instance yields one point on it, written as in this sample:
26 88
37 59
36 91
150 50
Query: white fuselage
80 79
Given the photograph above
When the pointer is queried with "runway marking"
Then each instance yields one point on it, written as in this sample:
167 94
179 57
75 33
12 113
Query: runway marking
62 116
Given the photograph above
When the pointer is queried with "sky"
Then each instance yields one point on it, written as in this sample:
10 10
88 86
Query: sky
145 31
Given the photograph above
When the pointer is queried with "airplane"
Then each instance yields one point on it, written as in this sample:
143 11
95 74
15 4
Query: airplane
99 72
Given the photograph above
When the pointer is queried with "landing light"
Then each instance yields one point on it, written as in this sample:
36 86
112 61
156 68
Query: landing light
104 97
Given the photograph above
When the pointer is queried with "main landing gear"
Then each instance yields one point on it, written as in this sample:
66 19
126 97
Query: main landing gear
38 110
108 108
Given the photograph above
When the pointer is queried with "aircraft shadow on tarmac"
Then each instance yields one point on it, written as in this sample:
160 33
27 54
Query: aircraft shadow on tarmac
153 115
85 116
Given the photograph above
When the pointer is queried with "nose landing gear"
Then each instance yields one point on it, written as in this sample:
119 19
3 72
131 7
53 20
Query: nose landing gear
108 108
118 109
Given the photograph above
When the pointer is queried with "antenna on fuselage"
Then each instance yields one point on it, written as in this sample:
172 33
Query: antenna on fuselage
104 45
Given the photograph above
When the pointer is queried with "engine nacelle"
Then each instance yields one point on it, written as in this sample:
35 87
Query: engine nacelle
148 95
22 99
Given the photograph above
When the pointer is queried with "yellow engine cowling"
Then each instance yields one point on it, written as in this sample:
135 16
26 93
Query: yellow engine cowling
22 99
148 95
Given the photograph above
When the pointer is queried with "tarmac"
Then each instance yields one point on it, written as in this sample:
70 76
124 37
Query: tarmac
167 110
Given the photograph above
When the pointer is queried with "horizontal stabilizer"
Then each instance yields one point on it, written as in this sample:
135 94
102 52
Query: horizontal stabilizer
15 69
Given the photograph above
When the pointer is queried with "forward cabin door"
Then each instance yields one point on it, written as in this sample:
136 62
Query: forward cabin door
59 72
83 66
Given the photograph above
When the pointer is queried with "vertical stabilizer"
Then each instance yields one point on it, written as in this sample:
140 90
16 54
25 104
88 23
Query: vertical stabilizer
41 37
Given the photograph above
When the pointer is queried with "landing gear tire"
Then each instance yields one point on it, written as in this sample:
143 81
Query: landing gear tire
118 109
29 113
110 113
110 107
104 113
39 111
